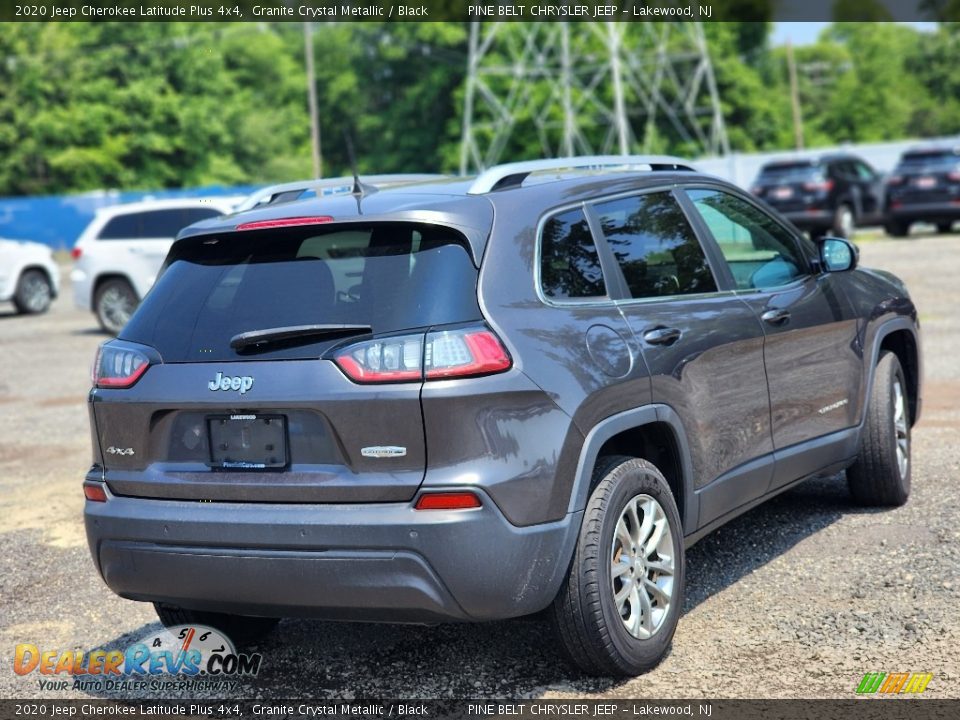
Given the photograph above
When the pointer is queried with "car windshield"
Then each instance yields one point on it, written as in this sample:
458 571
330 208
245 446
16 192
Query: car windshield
928 162
794 173
385 277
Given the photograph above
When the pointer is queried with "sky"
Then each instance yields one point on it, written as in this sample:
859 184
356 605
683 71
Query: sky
805 33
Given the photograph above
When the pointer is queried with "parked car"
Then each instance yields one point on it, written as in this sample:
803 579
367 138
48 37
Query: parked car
118 255
29 276
831 194
528 391
924 187
324 187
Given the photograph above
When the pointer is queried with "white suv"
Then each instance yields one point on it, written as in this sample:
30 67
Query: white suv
29 277
118 256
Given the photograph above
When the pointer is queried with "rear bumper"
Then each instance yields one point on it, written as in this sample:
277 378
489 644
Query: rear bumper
926 211
808 219
378 562
82 290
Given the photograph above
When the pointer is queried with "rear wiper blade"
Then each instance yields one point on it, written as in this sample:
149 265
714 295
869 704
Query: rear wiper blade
279 334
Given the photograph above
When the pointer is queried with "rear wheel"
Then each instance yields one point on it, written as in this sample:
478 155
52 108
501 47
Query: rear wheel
114 304
618 607
34 293
239 628
844 224
897 228
881 474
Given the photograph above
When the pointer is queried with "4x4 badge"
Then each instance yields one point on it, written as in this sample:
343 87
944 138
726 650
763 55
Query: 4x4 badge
383 451
225 382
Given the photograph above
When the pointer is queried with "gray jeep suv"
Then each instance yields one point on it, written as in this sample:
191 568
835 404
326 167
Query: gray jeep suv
478 399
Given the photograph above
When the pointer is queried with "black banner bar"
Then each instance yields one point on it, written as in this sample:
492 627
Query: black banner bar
476 10
914 708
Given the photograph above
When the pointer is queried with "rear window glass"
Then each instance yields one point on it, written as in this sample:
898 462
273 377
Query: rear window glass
929 162
798 173
390 277
569 263
153 224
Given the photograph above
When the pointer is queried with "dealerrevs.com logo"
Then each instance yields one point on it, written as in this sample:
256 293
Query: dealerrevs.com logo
194 657
893 683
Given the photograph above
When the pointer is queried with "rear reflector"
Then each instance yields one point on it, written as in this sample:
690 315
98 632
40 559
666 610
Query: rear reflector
76 253
284 222
448 501
94 492
442 354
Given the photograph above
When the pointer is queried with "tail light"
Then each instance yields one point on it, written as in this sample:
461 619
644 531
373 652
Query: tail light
460 352
821 186
118 367
757 190
954 175
76 253
447 501
894 179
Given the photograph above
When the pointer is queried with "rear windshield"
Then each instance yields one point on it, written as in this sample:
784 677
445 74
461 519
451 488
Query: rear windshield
390 277
796 173
929 162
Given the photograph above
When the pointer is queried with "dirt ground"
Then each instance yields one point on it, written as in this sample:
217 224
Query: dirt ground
797 598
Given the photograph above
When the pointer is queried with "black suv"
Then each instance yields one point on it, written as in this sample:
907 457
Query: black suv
832 194
924 187
479 399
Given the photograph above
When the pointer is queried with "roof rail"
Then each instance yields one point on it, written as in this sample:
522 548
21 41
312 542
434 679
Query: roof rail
285 192
511 175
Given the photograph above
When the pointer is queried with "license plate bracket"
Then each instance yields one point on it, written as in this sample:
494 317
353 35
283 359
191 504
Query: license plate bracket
247 441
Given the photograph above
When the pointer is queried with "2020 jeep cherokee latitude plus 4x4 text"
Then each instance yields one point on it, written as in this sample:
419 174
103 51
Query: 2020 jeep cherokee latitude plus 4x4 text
471 400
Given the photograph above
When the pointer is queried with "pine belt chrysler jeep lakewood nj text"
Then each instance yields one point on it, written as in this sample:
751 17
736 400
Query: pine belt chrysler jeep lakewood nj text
480 399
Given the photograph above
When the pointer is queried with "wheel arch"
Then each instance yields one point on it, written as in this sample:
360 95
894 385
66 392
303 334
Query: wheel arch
900 338
106 277
46 273
654 433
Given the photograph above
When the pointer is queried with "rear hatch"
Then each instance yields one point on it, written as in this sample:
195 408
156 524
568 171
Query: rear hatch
793 187
241 360
928 176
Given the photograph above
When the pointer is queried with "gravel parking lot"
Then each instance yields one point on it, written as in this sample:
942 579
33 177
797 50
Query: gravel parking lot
797 598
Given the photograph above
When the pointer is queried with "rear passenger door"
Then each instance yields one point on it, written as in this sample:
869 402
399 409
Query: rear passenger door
811 353
703 346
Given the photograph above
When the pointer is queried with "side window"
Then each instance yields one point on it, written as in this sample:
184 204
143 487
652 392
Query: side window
569 263
760 252
657 249
121 227
192 215
864 171
163 224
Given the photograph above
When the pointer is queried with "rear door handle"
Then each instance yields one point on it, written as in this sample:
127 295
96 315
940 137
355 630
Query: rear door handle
662 336
776 317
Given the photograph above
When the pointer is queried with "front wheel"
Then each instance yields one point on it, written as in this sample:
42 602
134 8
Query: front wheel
240 629
618 607
33 294
881 473
844 223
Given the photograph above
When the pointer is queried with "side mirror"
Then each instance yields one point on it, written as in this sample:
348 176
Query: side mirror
838 255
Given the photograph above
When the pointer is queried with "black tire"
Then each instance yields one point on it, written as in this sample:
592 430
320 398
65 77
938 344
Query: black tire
878 478
897 228
945 228
592 629
34 293
844 221
114 303
241 629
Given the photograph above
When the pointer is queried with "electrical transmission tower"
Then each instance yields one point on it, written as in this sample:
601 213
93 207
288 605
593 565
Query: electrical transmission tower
582 88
